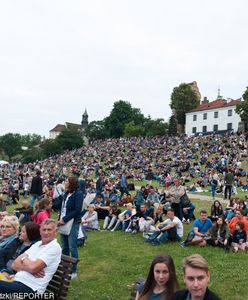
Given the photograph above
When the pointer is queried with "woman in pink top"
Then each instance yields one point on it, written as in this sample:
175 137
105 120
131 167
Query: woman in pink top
44 211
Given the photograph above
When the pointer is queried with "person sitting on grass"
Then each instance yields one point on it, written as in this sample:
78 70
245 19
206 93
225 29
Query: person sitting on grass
24 213
239 238
171 228
239 217
215 211
219 233
124 218
199 231
89 221
112 217
44 210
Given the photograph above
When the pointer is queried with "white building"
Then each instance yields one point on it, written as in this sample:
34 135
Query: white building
217 116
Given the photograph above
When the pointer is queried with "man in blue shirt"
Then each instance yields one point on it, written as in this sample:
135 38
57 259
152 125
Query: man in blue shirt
200 231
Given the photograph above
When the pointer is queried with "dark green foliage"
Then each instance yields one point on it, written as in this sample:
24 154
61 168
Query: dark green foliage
96 130
242 109
121 114
133 130
70 138
155 127
172 130
11 144
183 99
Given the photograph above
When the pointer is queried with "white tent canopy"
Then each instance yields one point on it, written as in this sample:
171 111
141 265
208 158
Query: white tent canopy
3 162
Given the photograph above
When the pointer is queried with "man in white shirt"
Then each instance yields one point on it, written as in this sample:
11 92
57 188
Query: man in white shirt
36 266
171 228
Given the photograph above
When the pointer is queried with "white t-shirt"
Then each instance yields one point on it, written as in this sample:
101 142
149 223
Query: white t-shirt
50 254
178 224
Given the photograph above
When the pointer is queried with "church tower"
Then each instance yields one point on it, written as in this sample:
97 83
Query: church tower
85 121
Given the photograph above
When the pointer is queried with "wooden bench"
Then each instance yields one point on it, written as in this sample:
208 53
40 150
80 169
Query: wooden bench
59 284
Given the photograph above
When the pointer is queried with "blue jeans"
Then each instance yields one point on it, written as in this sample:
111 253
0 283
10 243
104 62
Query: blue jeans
33 197
213 190
164 235
69 243
190 212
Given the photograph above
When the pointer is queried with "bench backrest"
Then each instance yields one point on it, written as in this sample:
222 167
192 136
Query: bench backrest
59 284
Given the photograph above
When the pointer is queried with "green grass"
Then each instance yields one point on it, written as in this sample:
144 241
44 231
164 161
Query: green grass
112 261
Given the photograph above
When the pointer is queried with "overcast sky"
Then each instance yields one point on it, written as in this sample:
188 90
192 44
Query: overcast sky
59 57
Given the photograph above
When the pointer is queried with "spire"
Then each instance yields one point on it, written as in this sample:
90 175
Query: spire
85 121
219 96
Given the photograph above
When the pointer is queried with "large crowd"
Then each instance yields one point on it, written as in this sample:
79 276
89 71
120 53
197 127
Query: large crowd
138 185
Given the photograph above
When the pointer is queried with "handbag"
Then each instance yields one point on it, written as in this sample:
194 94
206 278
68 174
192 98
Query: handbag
66 228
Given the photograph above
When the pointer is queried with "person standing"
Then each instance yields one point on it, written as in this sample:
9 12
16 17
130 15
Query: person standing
229 179
36 188
71 208
196 277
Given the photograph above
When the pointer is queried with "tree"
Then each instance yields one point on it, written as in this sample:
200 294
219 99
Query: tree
30 140
11 144
96 130
155 127
172 130
121 114
242 109
133 130
183 99
51 147
70 138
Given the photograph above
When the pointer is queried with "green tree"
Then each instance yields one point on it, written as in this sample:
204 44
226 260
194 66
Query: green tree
11 144
172 130
30 140
121 114
155 127
70 138
242 109
32 154
183 99
51 147
96 130
133 130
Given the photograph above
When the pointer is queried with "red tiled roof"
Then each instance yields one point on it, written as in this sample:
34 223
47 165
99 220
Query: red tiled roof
218 103
58 128
68 124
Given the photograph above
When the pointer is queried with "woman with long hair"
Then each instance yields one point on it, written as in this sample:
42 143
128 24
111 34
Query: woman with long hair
71 209
161 281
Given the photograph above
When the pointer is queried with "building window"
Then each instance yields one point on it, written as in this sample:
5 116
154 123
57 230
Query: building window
194 117
204 128
194 130
216 114
229 112
205 115
215 128
229 126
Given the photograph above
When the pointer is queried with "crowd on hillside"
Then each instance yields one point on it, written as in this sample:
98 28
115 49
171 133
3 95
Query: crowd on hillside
99 182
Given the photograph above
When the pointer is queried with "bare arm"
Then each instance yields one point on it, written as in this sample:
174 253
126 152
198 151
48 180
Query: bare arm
23 263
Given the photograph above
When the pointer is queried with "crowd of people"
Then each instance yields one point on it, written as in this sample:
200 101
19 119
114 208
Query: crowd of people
99 182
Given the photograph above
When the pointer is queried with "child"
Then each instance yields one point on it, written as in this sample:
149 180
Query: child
239 238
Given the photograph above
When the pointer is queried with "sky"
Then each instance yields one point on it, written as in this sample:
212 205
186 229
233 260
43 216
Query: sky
60 57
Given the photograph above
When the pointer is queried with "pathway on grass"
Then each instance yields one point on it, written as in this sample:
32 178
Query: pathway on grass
205 198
